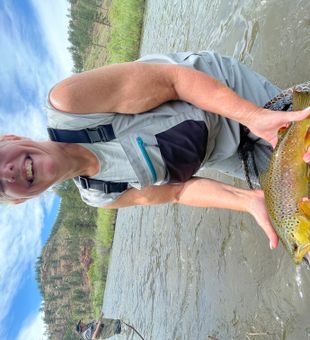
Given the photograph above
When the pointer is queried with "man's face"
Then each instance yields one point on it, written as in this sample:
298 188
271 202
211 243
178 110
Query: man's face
27 168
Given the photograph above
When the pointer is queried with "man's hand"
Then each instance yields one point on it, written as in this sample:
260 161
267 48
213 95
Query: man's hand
258 210
266 123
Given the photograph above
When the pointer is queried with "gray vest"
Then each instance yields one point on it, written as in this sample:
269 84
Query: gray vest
135 155
144 138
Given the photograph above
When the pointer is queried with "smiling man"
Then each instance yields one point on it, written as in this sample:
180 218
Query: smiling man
30 167
137 133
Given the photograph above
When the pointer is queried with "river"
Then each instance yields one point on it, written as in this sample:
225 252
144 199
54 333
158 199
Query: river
178 272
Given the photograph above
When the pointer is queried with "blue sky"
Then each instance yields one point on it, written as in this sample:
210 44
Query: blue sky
34 56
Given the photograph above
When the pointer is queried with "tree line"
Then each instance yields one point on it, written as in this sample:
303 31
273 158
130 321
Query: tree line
60 270
82 18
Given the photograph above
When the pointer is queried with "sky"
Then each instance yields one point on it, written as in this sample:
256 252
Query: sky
34 56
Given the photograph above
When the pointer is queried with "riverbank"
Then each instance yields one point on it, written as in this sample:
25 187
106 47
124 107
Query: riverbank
122 39
100 255
119 40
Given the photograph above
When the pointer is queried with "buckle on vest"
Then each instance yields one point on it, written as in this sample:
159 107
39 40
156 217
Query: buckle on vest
52 134
84 182
96 135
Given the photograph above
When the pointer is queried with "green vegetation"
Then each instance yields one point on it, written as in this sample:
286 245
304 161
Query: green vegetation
100 255
85 17
103 32
64 263
72 269
126 17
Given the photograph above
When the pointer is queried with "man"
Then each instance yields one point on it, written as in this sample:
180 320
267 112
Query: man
101 329
161 118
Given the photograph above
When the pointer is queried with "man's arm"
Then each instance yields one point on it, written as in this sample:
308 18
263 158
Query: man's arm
203 192
137 87
98 329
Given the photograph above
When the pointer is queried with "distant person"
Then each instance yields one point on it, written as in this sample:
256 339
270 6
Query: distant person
104 328
137 133
101 329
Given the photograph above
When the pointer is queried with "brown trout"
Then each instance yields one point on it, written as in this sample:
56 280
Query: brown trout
285 184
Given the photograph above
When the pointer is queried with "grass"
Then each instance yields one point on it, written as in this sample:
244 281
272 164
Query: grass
126 18
119 42
101 254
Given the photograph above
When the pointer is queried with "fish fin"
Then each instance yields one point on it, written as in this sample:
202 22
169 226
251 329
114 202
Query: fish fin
304 205
281 133
301 100
307 139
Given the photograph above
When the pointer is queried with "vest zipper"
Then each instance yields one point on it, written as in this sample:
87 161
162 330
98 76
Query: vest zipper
147 158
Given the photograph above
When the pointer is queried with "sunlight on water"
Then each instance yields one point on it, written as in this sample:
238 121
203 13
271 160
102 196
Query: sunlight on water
299 280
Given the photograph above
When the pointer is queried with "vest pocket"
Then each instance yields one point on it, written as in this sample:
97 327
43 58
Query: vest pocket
145 157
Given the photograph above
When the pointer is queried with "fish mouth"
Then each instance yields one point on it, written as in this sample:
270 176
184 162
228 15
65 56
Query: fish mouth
306 260
302 254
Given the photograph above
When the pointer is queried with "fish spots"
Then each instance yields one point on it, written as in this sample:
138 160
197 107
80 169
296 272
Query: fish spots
285 183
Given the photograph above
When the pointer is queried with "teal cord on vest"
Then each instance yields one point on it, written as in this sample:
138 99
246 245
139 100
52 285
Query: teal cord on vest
147 158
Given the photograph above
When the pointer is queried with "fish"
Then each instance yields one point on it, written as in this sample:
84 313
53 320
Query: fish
285 184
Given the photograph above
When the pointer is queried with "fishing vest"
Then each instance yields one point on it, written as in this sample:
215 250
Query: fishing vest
160 150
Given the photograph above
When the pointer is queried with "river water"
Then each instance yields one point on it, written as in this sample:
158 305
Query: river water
186 273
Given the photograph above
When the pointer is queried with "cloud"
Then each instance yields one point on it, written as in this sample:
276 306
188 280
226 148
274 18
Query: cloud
20 230
30 122
53 18
34 57
33 328
25 62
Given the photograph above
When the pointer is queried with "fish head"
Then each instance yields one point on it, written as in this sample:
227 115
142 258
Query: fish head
297 237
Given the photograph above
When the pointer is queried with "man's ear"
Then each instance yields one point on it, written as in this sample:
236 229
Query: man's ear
12 137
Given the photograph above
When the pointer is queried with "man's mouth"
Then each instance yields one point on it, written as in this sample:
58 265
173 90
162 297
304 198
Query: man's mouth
29 169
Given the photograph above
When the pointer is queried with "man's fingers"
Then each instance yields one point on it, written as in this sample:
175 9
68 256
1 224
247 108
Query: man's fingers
298 115
273 240
306 157
273 142
272 235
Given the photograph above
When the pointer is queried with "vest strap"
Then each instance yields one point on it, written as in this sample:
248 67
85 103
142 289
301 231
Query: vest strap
100 133
106 187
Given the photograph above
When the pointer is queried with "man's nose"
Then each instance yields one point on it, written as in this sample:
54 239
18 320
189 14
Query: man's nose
8 173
